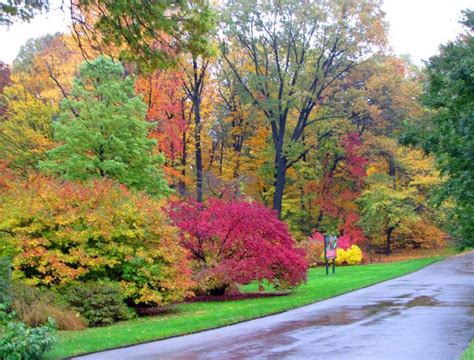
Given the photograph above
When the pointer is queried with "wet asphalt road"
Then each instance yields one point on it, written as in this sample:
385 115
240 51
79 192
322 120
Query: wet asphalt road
425 315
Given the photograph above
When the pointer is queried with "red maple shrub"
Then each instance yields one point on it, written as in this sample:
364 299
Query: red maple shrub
237 242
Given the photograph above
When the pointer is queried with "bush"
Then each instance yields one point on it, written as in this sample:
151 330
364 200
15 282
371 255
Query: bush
238 242
351 256
18 341
5 280
67 231
99 303
35 306
314 250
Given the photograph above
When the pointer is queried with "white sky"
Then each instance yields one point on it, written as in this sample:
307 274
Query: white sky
417 27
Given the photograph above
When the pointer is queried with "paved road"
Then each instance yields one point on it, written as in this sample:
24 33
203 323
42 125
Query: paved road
425 315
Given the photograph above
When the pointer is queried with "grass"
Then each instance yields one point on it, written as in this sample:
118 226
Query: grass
193 317
469 352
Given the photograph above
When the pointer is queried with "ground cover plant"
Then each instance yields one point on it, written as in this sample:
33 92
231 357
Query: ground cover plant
190 317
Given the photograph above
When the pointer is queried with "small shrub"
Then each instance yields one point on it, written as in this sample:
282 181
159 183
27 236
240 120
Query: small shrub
99 303
341 256
18 341
351 256
35 306
314 251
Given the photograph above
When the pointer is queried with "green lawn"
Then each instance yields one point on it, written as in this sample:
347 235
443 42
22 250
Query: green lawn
192 317
469 352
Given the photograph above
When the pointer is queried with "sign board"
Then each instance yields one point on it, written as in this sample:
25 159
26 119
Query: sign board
330 246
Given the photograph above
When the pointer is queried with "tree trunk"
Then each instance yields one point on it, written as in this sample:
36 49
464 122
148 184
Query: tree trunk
198 152
280 180
388 249
182 184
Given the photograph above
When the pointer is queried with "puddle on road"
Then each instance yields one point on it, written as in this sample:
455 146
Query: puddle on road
422 301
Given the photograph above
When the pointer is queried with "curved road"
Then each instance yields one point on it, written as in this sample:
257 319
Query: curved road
428 314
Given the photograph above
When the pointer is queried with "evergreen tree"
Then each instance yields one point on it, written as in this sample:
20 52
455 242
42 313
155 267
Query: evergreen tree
103 131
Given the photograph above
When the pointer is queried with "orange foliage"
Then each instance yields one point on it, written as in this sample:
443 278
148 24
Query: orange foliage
68 231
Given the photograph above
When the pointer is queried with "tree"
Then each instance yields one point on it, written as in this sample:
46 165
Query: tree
384 208
300 53
148 33
450 134
24 10
237 242
66 231
103 131
5 74
40 78
25 130
168 111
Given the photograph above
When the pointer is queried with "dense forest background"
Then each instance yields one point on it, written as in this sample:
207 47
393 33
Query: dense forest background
297 105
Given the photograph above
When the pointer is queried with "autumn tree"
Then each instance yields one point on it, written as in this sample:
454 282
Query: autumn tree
299 52
168 110
103 131
150 34
5 74
237 242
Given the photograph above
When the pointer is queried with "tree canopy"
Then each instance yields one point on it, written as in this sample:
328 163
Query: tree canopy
103 133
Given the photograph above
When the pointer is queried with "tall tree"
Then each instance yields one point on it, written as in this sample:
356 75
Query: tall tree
5 80
149 33
450 134
103 131
300 53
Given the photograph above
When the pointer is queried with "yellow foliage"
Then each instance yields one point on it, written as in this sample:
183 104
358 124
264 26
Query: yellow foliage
351 256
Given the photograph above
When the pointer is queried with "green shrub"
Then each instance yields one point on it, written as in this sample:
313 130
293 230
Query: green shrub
20 342
5 280
100 303
34 306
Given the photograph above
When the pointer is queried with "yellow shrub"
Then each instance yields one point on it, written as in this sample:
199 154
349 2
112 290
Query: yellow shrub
351 256
340 256
354 255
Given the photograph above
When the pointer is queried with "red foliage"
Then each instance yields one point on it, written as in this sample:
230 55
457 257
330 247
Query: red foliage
166 107
355 162
238 241
340 186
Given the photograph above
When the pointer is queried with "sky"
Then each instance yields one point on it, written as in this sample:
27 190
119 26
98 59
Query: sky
417 27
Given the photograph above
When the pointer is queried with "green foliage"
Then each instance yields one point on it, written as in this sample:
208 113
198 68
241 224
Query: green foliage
100 303
198 316
149 33
103 131
20 342
5 280
450 134
25 10
385 206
